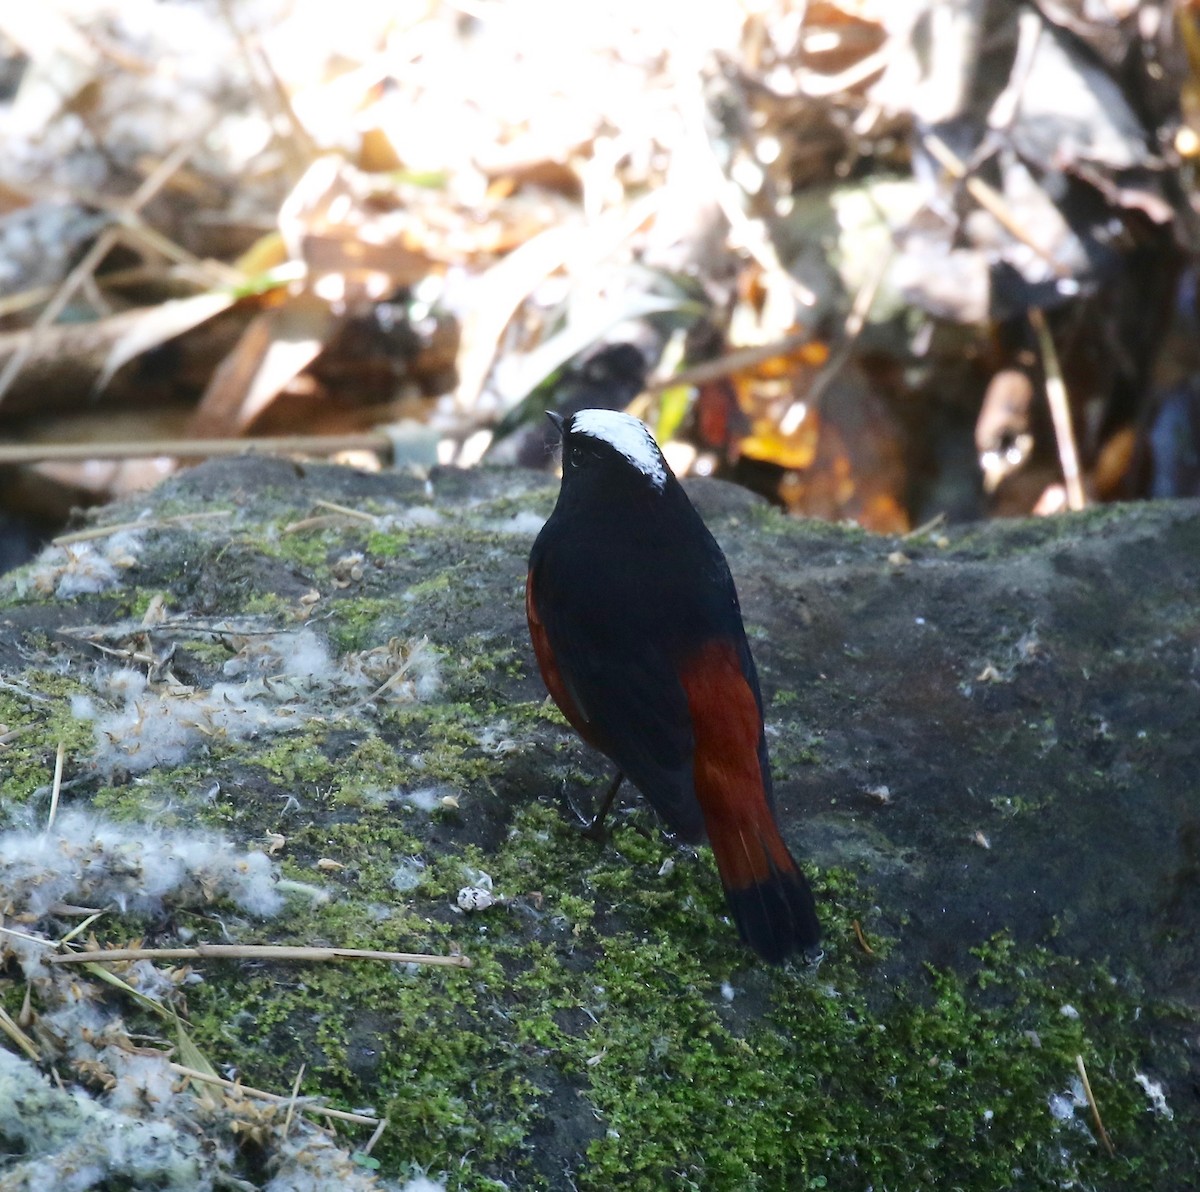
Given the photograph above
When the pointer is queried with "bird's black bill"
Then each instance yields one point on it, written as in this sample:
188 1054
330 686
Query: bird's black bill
557 419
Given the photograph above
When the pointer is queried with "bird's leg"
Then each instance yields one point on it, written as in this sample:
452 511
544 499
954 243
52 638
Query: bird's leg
595 830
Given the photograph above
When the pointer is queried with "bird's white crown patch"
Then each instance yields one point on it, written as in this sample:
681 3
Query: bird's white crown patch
629 435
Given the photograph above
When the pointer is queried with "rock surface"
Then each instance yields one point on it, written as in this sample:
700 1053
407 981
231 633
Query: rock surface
985 748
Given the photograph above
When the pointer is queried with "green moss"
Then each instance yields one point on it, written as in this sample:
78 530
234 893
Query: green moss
943 1088
791 751
295 759
1013 538
375 762
139 600
44 710
355 622
121 802
427 589
307 548
384 545
370 848
476 671
446 741
267 605
595 999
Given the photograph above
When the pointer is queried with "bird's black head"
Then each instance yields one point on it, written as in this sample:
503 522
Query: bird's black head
611 448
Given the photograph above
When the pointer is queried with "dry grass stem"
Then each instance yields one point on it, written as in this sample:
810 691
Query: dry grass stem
383 1125
32 939
934 523
14 733
1060 410
19 1037
103 244
160 523
346 511
242 1090
1091 1100
56 785
291 1110
257 952
860 935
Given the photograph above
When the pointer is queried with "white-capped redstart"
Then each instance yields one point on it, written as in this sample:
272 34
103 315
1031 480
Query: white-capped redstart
638 633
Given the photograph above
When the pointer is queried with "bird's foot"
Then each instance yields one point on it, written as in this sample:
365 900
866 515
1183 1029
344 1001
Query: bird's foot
590 826
594 829
593 826
582 822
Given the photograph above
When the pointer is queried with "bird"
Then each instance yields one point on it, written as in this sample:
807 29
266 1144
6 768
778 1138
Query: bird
635 622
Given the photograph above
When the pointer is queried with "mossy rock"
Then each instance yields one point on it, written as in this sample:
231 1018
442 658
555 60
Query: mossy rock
985 753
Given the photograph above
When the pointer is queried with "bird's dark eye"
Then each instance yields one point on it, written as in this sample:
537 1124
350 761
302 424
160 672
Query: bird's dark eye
576 457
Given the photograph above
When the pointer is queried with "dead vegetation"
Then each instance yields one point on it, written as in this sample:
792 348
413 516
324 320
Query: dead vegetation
811 243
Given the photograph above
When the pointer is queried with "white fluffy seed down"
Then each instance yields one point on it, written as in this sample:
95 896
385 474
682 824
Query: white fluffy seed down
87 861
275 682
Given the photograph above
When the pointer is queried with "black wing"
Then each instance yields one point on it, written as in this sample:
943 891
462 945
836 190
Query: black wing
620 675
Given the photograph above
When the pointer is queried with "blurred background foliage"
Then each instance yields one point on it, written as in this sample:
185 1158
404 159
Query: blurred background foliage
880 260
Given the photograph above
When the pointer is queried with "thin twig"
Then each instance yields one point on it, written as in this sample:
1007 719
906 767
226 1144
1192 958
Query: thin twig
217 627
141 236
69 909
732 362
262 1095
323 521
101 247
934 523
821 86
1091 1100
126 655
14 733
989 199
346 511
31 453
257 952
273 96
752 234
202 279
1060 410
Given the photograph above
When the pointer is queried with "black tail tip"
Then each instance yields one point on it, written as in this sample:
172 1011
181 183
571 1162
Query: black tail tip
778 918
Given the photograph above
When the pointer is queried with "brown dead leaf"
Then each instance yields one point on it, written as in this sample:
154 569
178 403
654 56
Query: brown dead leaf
795 451
274 349
855 454
155 325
